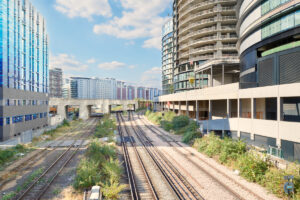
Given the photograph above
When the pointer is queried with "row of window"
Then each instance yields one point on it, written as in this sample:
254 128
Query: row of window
18 102
269 5
281 24
21 118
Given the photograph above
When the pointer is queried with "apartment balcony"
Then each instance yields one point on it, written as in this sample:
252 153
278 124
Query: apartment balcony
184 5
202 57
183 47
205 49
199 24
229 47
197 6
204 13
184 55
203 40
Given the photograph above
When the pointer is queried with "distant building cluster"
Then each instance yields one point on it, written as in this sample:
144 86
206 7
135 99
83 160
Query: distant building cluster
97 88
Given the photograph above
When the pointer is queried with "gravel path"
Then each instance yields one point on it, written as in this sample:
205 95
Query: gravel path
188 158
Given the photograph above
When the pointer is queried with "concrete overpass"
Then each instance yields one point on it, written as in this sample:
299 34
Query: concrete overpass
86 105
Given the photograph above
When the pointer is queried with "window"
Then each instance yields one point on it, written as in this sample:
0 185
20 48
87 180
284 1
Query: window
269 5
7 120
28 117
7 102
17 119
24 102
41 115
35 116
1 121
281 24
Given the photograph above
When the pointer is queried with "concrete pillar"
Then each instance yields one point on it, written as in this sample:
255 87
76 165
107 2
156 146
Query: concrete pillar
169 106
279 118
228 108
173 106
252 116
210 110
239 116
223 75
61 110
211 77
197 110
179 105
187 109
83 112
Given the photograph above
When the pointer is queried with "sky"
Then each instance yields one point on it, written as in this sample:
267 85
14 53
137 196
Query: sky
106 38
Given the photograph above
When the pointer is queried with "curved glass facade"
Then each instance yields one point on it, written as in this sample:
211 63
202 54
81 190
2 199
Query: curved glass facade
167 58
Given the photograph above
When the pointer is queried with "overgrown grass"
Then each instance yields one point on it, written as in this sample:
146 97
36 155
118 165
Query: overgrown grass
252 166
105 128
27 182
180 125
100 167
11 154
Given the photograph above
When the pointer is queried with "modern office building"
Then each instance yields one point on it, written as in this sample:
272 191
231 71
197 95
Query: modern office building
23 69
204 43
263 108
167 57
55 82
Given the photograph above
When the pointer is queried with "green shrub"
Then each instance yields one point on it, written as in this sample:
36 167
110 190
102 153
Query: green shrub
87 174
169 116
6 155
166 125
100 152
190 136
111 191
66 123
252 167
180 122
191 127
231 149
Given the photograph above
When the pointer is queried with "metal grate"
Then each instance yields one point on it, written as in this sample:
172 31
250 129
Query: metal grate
289 68
266 72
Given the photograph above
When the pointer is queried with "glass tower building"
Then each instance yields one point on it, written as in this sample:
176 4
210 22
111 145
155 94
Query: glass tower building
167 57
23 68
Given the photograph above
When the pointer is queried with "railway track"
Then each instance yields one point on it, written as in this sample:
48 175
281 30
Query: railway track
38 188
173 143
178 183
5 179
141 186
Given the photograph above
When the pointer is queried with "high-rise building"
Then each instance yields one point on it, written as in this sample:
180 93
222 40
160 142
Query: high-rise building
93 88
167 57
55 82
23 68
204 43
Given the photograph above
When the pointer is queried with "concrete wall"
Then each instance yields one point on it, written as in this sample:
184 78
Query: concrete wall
85 105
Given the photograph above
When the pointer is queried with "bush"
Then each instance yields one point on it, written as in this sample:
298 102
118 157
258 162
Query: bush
101 167
231 149
166 125
87 174
105 128
252 167
180 122
66 123
8 155
191 127
190 136
169 116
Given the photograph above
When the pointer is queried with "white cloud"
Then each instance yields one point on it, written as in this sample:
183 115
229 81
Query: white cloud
141 19
67 63
84 8
132 67
152 78
91 61
111 65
